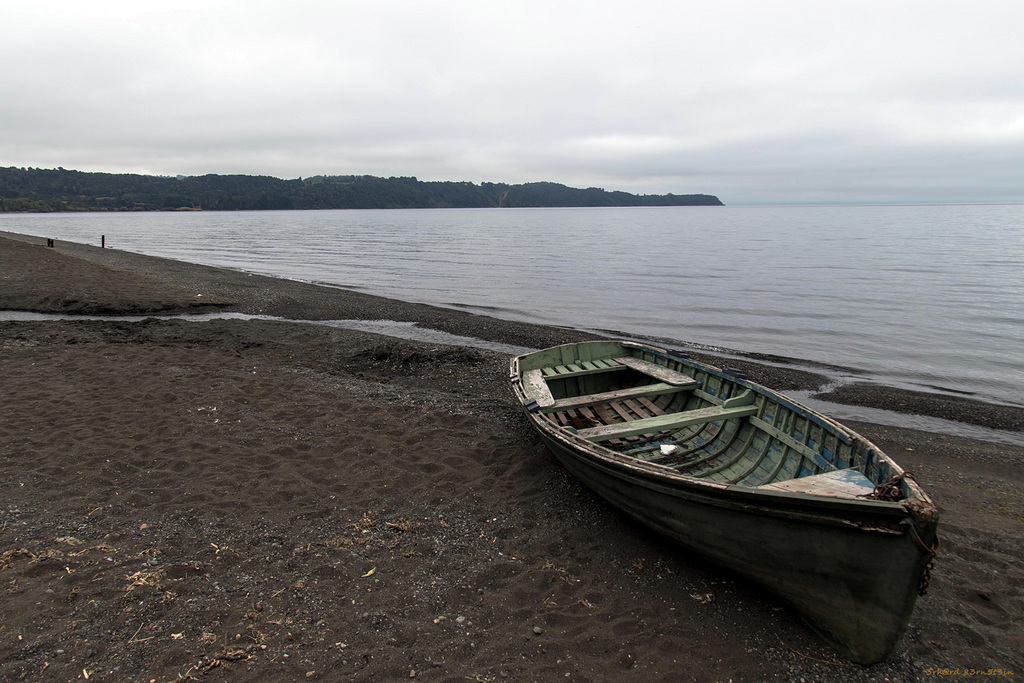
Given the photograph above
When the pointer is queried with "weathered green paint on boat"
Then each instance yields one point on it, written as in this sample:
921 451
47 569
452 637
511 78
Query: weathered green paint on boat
755 481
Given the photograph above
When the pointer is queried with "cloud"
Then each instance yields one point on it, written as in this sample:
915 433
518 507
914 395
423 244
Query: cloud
846 101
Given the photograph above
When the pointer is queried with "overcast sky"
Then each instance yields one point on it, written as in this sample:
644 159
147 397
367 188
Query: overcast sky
753 101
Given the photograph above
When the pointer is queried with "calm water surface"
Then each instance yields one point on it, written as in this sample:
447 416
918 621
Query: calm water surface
928 297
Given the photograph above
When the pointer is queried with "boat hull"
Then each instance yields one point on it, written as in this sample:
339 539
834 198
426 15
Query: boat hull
851 568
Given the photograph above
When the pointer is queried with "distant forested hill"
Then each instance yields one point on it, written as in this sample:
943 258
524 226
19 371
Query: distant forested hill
36 189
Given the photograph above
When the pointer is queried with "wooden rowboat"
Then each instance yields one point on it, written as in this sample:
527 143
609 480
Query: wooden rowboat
750 479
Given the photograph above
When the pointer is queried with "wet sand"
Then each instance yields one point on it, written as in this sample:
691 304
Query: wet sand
267 500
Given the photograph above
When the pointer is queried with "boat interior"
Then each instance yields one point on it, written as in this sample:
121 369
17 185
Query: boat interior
702 423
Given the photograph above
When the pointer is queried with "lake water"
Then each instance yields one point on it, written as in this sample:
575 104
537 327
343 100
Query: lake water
926 297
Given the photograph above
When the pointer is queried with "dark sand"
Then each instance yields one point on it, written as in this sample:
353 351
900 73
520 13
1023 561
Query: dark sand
254 500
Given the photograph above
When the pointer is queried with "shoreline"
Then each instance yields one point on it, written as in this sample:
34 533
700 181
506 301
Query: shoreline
237 291
269 500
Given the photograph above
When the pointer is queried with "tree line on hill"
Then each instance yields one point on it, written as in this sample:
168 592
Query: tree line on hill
40 190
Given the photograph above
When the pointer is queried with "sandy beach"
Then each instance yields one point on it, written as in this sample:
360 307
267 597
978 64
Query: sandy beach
266 500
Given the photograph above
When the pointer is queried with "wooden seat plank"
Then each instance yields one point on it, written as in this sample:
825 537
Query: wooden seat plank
608 396
535 386
659 372
666 422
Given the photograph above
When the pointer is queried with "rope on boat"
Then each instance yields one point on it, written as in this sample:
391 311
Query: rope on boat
926 576
892 490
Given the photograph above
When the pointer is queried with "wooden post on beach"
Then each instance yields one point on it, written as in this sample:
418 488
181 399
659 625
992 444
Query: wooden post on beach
103 241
